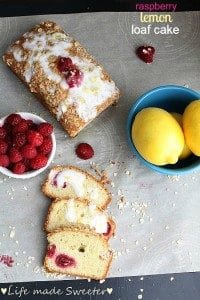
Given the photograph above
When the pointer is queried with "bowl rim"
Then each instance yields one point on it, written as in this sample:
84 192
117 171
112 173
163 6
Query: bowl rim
29 174
160 169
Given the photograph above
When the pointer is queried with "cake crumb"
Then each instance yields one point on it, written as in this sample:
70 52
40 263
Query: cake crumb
172 278
12 234
101 281
140 296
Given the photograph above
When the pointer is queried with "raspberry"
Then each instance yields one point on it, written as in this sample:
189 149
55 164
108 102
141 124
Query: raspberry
45 129
26 162
51 250
4 160
108 229
38 162
72 74
64 63
13 119
84 151
74 77
64 261
21 127
8 128
19 140
2 133
3 147
14 155
146 53
46 146
34 138
18 168
28 151
29 123
8 140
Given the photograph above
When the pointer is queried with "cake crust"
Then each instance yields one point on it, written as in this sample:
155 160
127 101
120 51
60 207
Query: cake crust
38 70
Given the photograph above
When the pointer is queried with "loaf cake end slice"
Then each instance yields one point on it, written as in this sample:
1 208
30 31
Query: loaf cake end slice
70 182
77 253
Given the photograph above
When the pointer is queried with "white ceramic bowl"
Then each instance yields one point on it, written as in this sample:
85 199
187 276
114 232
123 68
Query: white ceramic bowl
26 175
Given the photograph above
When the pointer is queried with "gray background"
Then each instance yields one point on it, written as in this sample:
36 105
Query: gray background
158 223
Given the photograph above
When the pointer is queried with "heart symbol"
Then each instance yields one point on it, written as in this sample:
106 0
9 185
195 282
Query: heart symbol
109 290
3 291
146 53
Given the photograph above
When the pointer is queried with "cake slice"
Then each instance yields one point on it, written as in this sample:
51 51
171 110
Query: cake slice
68 81
75 213
71 182
77 253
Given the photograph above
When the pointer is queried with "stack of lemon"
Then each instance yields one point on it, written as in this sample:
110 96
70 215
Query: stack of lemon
163 138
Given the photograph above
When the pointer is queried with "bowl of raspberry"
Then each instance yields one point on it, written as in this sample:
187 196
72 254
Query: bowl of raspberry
27 145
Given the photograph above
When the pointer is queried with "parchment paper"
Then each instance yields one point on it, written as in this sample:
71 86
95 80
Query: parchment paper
157 216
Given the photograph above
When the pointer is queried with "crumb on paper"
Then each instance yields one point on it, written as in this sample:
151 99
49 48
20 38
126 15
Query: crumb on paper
12 233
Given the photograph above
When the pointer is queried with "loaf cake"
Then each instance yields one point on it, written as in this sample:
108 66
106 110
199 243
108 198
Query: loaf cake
63 75
70 182
75 213
77 253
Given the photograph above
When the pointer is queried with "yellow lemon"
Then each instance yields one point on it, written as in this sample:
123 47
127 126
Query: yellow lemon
186 150
157 136
191 126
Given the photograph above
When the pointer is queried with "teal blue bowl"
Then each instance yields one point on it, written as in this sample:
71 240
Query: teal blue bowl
172 98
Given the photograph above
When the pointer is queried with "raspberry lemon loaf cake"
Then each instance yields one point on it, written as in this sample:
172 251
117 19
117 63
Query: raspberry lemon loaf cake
63 75
77 253
70 182
78 214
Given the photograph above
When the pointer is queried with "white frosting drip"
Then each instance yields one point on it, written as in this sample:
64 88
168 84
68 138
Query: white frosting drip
42 46
17 53
92 92
73 178
91 216
71 215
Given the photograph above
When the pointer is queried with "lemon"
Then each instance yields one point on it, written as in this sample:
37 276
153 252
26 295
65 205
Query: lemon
157 136
191 126
186 150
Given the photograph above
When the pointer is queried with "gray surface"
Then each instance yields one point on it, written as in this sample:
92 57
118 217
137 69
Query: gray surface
160 223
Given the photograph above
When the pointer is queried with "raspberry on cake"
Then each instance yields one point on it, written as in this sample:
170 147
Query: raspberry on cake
71 182
80 214
77 253
63 75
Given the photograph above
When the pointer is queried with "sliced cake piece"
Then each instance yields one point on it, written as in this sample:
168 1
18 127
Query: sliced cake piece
78 214
70 182
77 253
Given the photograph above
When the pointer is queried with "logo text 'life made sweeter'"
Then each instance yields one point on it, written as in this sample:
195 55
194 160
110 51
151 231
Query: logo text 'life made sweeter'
153 13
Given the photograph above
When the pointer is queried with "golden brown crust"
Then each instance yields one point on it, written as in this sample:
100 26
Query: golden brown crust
60 168
47 269
104 276
51 207
40 84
